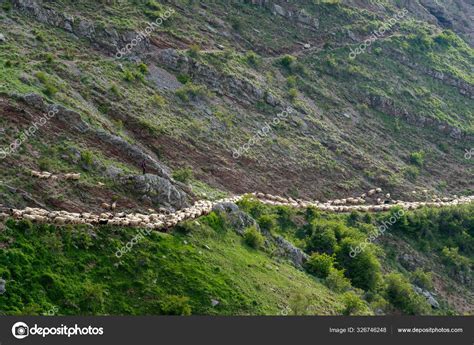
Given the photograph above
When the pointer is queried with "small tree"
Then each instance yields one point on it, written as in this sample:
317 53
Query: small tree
336 280
183 175
253 237
266 222
320 264
353 304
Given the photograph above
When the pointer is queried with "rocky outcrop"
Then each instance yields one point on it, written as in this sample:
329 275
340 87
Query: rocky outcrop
106 38
288 250
73 120
430 296
283 9
158 190
218 82
464 87
236 218
388 106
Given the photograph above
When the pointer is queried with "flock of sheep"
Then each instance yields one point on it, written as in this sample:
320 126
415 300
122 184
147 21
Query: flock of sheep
160 220
379 204
47 175
372 201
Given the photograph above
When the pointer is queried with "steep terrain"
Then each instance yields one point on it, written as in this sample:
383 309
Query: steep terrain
307 99
212 76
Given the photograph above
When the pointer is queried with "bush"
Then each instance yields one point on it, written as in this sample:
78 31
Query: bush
158 100
323 238
50 88
214 221
191 91
252 59
336 280
143 68
293 93
353 304
402 296
287 61
87 157
266 223
422 279
417 158
194 50
183 175
320 264
452 258
291 81
253 237
183 78
128 75
364 269
175 305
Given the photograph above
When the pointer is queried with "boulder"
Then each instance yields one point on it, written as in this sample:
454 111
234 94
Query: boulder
113 172
157 189
296 255
238 219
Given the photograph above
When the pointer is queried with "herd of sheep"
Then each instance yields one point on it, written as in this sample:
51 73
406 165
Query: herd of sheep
360 203
47 175
372 201
160 220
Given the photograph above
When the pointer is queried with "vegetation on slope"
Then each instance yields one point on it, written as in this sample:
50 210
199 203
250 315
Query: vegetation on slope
204 267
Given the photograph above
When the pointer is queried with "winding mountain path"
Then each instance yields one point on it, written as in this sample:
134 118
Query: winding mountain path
165 220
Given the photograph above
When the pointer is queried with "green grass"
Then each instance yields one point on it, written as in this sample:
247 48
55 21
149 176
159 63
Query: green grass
75 270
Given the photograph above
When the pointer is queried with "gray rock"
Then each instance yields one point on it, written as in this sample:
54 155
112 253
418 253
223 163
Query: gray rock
433 302
277 9
158 189
214 302
296 255
227 207
238 219
133 152
162 79
34 100
2 286
113 172
2 38
304 18
270 99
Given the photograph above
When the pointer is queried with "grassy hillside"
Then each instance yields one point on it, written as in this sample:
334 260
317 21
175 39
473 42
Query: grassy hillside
76 271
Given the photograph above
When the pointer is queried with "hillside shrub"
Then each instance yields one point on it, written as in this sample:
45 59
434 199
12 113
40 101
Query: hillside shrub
336 280
183 175
417 158
353 304
402 296
320 264
422 279
253 237
364 269
266 222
